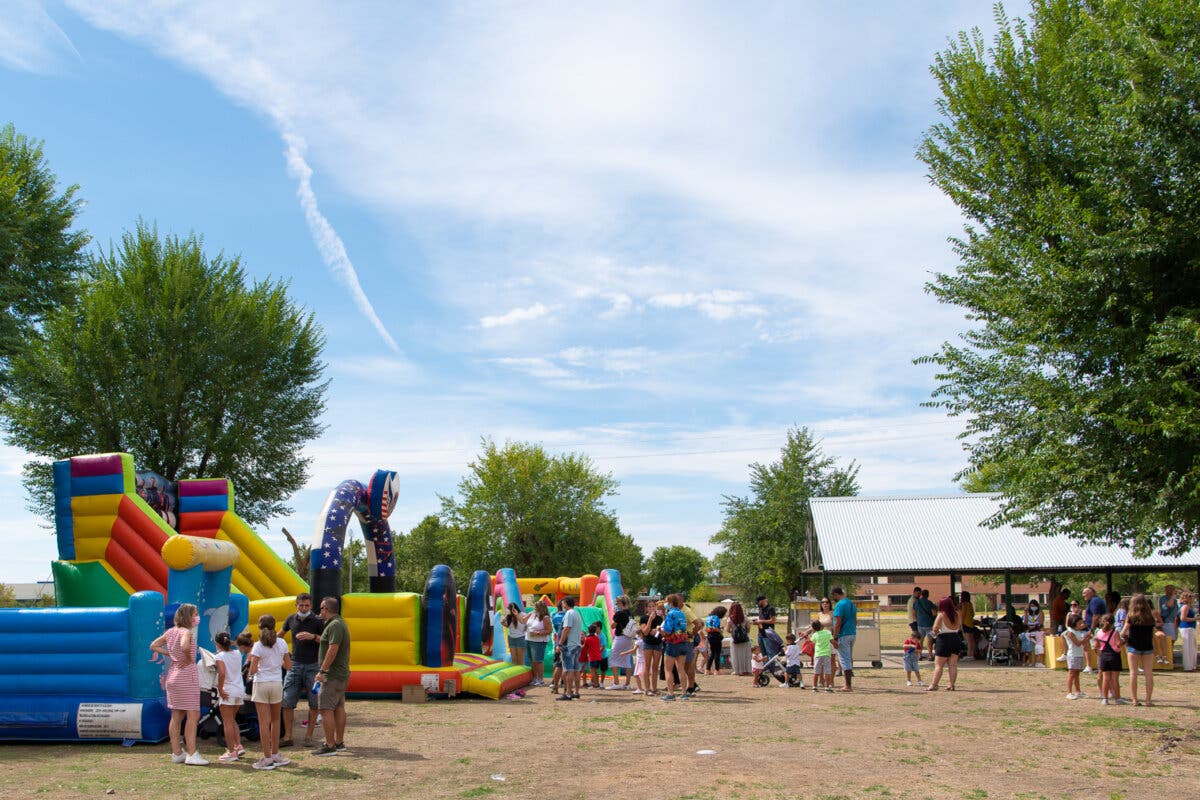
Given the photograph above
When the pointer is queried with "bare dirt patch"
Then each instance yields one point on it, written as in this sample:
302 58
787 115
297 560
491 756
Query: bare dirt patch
1005 733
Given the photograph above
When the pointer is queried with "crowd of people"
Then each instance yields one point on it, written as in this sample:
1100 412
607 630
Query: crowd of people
266 673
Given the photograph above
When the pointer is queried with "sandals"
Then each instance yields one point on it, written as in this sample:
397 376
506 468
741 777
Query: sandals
931 688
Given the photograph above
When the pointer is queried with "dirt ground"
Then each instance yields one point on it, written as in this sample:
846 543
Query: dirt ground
1006 732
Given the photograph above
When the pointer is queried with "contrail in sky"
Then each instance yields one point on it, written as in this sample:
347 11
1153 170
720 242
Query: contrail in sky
330 245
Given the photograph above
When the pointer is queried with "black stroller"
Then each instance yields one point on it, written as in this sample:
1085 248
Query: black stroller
775 668
1002 645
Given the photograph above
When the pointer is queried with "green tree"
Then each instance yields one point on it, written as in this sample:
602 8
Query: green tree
675 569
542 515
428 544
1070 145
39 252
170 356
8 596
354 558
763 535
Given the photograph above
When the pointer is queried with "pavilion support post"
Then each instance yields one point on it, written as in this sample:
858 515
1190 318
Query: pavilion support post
1008 604
1108 582
824 583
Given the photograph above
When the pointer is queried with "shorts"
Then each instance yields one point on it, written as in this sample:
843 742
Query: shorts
678 649
1133 651
596 666
910 662
823 665
1109 662
516 643
270 692
1076 662
690 655
333 694
793 670
912 625
300 678
649 645
1169 630
536 651
558 658
947 644
230 701
570 658
845 650
925 633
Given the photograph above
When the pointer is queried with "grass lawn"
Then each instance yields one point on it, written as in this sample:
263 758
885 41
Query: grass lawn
1006 733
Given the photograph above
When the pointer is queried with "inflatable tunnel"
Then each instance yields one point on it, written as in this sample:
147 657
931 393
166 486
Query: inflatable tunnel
82 674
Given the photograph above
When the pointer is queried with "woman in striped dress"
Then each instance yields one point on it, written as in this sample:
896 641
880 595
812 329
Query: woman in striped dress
178 646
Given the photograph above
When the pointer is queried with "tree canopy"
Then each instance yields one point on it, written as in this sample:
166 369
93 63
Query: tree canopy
763 535
1071 146
542 515
169 355
675 569
39 252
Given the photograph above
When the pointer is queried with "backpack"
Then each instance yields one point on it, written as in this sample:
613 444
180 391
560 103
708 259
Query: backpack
740 634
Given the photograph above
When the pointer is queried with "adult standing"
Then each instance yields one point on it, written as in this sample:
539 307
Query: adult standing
947 632
620 657
1168 612
1187 631
571 642
514 629
739 638
652 644
268 659
334 674
911 608
695 629
765 622
845 630
305 628
178 647
1139 638
677 639
966 610
926 612
716 640
538 629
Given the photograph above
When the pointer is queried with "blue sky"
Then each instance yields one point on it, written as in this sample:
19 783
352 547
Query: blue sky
656 234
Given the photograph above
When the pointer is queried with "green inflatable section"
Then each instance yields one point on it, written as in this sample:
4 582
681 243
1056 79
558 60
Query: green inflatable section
86 584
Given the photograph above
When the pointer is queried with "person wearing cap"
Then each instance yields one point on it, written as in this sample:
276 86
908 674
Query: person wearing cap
765 622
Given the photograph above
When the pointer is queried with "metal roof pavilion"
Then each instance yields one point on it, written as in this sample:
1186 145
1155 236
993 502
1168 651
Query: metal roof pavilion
945 534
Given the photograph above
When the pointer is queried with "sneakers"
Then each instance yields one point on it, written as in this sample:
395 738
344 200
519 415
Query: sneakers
668 697
264 763
1072 696
1063 657
178 758
340 747
228 757
281 761
564 697
1121 701
196 760
906 683
241 751
1104 701
638 691
323 750
1087 670
783 685
829 689
920 683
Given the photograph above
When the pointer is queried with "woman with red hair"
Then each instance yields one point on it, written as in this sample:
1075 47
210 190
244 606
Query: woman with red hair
947 639
739 633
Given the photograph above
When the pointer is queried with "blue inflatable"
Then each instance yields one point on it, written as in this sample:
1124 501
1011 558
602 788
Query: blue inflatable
439 618
479 614
82 674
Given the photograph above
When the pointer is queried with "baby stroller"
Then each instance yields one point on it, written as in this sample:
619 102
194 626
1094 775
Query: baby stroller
1002 646
776 668
211 723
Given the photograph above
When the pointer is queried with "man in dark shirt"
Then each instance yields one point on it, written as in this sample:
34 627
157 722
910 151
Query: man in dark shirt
305 628
765 622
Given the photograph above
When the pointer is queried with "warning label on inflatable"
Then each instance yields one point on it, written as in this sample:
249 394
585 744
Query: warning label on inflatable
109 721
431 681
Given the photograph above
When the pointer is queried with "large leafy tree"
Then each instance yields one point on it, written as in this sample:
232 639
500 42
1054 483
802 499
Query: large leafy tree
172 356
1072 146
763 535
540 514
676 568
40 253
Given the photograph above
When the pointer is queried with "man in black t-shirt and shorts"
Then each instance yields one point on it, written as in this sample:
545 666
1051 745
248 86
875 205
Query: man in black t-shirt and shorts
765 621
305 628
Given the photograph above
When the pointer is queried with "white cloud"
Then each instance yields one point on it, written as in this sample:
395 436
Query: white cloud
515 316
718 305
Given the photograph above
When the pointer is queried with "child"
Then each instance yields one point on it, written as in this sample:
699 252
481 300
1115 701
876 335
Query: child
757 662
1076 636
1108 642
701 655
912 667
244 643
822 640
1026 649
232 691
639 663
792 655
592 654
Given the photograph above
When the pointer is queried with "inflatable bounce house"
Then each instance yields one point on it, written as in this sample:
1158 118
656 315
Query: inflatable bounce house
127 558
